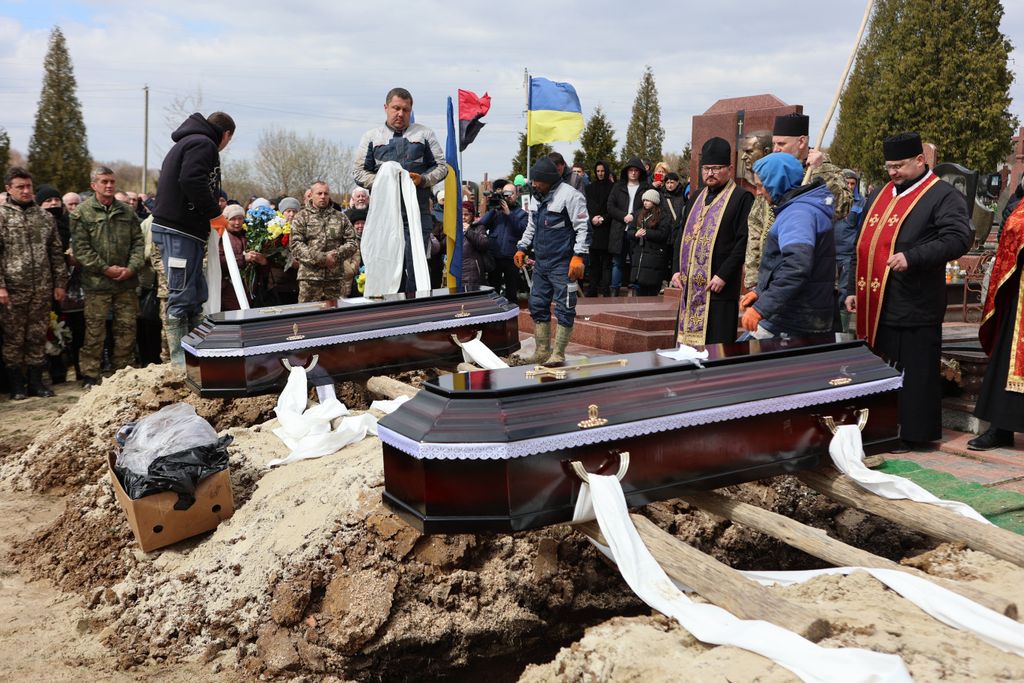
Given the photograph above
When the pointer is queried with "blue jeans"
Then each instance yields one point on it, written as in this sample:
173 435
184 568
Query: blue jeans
551 283
618 268
182 256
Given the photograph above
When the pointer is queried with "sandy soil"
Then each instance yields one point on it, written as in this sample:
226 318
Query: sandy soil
314 579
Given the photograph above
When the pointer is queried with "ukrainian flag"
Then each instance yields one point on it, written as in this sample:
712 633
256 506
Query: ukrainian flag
453 205
554 113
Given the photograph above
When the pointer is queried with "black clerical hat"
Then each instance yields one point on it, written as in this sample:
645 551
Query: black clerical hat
793 125
716 152
902 146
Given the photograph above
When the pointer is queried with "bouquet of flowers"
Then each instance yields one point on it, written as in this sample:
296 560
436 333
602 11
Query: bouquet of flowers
58 336
267 232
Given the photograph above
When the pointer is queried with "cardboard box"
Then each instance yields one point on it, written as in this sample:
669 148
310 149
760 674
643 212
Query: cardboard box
156 523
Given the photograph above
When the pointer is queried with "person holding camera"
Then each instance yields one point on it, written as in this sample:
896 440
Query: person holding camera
505 222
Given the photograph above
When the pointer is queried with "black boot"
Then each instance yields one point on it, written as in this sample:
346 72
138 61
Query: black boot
993 438
35 383
17 382
58 369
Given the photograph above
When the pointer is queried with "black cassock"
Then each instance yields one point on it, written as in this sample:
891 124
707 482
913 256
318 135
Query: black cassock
1004 409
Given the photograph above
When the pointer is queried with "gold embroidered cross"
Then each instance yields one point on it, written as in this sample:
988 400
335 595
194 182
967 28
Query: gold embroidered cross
874 221
875 285
862 283
893 220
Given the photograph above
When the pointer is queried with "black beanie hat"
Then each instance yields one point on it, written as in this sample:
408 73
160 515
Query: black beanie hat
902 146
716 152
46 192
673 176
792 125
544 171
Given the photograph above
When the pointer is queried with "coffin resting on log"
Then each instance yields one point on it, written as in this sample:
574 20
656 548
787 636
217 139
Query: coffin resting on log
490 450
240 353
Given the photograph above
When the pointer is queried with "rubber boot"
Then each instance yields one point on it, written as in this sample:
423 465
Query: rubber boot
561 341
176 329
17 382
542 339
35 382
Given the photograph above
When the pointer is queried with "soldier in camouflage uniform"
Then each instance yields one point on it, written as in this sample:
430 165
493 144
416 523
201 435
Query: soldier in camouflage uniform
790 135
107 241
32 275
322 239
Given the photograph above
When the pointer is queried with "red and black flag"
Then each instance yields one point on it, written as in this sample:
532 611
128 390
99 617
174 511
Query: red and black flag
471 110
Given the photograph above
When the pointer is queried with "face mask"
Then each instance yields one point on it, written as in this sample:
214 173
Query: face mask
537 194
56 211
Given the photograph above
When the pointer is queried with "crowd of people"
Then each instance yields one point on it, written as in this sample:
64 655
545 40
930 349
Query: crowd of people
790 246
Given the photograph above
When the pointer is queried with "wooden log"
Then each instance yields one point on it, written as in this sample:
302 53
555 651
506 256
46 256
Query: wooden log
819 544
719 583
932 520
390 388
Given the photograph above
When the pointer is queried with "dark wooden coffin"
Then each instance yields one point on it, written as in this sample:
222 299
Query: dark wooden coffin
491 450
239 353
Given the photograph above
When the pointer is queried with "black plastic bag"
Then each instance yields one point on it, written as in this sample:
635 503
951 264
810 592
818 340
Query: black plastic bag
180 472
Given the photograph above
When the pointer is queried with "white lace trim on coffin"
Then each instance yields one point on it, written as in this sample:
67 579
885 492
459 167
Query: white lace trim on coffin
379 333
545 444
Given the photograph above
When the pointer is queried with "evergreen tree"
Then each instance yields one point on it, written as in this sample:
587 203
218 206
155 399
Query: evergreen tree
5 150
936 68
597 143
519 160
645 135
57 152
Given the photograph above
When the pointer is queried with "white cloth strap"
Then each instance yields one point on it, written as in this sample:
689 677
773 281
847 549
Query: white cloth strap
475 351
847 453
236 277
603 497
212 303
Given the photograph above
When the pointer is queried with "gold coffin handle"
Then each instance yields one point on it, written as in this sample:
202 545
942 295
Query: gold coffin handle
312 363
455 338
581 472
862 420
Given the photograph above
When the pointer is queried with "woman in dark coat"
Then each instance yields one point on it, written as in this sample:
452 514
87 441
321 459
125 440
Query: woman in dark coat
652 235
624 204
474 247
597 193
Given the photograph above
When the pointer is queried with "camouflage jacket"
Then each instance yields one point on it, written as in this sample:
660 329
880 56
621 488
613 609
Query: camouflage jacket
103 236
315 232
762 216
31 255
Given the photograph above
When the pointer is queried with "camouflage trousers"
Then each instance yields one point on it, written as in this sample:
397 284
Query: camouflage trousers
26 321
125 306
322 290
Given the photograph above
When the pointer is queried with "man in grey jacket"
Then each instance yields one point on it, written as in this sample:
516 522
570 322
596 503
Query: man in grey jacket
416 149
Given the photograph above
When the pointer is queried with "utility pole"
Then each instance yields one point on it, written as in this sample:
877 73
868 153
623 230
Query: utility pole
145 140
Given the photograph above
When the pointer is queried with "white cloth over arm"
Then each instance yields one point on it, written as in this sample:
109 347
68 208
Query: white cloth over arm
212 303
383 240
236 277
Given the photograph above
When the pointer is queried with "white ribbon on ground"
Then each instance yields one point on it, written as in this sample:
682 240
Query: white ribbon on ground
475 351
685 353
948 607
383 240
847 451
212 303
236 277
308 433
604 499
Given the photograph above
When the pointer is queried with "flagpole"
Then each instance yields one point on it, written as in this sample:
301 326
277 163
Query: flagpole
526 83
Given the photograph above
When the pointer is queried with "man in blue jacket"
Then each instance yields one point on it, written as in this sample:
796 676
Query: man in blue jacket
795 283
186 209
558 230
505 226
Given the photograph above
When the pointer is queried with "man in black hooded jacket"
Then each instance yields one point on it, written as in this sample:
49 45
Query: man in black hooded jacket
624 204
186 209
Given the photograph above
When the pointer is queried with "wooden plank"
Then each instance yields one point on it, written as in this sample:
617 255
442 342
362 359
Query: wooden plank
719 583
390 388
928 519
819 544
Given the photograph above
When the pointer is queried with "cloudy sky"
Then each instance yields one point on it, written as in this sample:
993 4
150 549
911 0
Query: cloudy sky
323 67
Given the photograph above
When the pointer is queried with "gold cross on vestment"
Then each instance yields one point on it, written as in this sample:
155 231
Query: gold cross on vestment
893 220
874 221
875 285
862 283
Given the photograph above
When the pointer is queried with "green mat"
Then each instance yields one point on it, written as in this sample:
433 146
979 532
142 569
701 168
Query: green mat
1003 508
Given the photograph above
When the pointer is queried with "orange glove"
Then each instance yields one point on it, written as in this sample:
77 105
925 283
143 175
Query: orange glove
220 224
750 320
748 298
519 259
416 179
576 268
